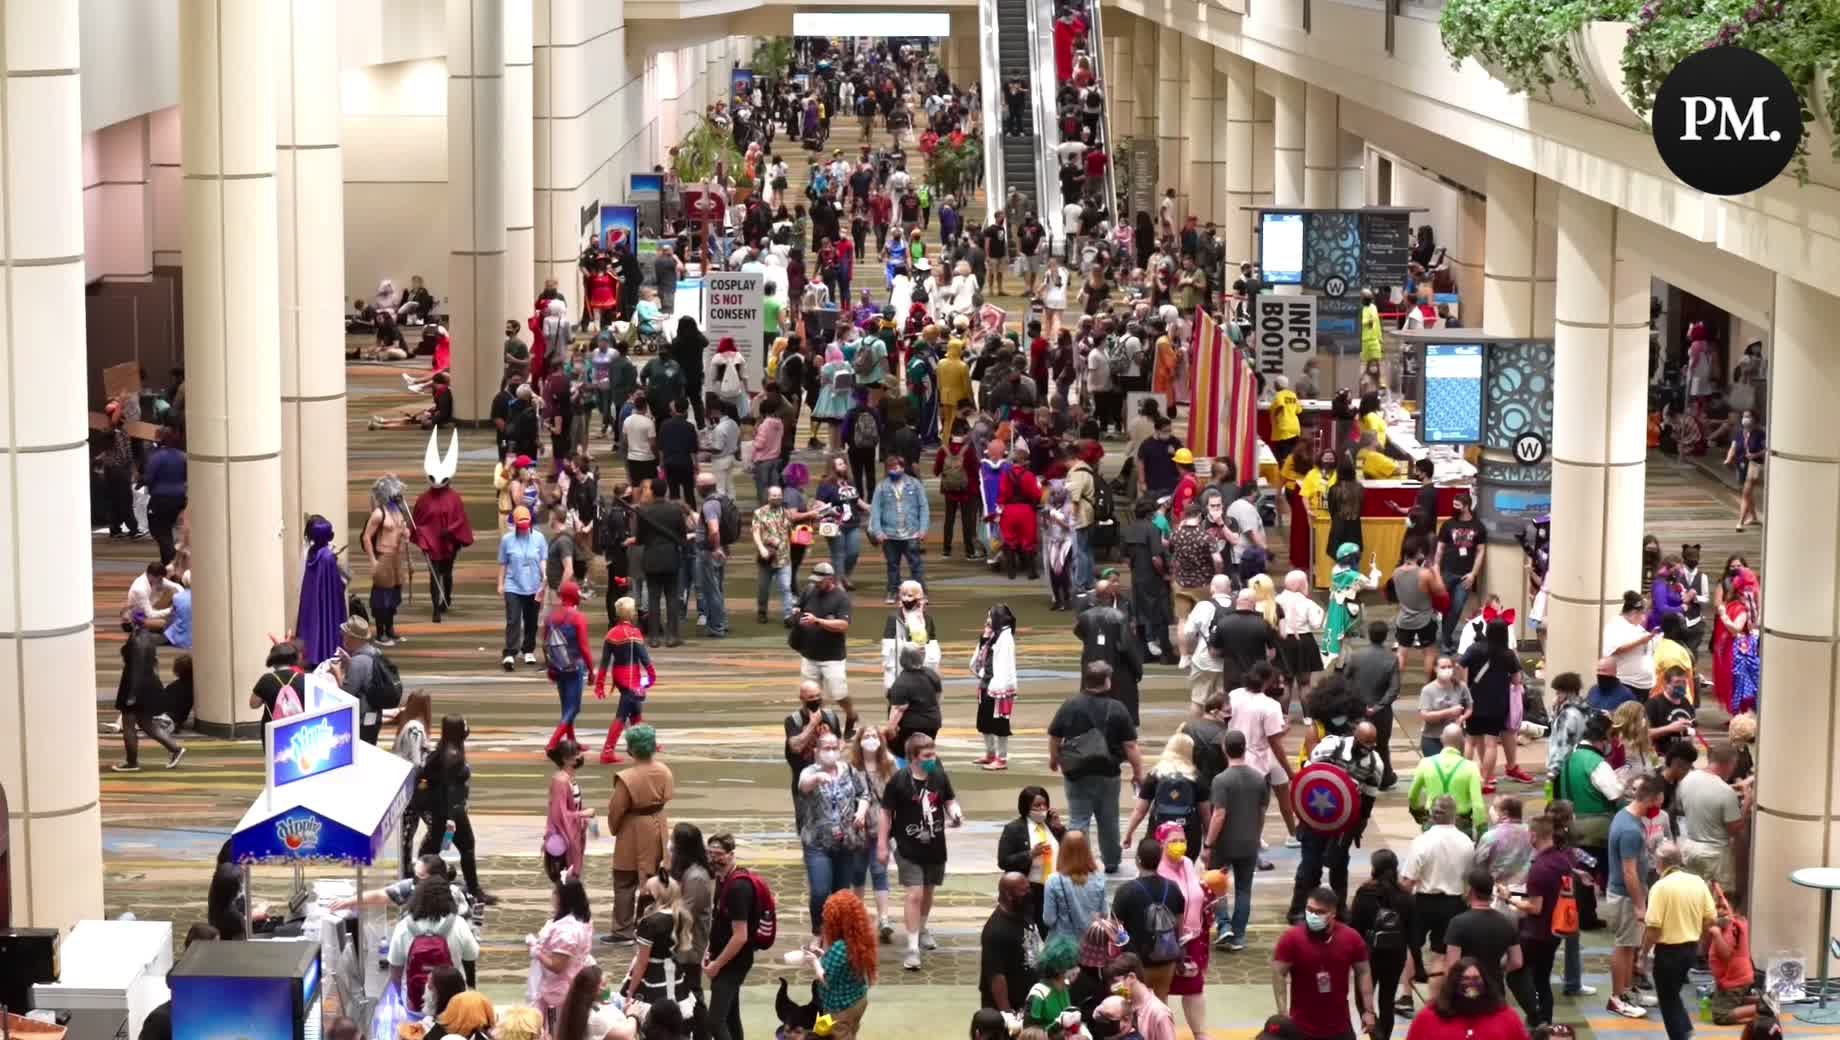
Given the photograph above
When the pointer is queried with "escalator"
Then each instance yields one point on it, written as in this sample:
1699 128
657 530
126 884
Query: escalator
1009 53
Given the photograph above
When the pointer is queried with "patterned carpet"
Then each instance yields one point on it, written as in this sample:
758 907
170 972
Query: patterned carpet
718 708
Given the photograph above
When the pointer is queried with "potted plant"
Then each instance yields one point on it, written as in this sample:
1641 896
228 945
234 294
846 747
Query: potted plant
744 185
772 57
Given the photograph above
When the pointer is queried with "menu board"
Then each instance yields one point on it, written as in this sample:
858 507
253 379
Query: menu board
1386 245
1453 394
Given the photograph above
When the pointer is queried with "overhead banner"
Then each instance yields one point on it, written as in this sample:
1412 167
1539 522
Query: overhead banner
731 307
1224 393
1283 334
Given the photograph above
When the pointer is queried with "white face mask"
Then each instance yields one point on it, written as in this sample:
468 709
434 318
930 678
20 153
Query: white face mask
1445 674
1038 815
871 745
827 757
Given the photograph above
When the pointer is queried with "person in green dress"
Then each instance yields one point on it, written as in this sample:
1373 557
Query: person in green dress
1049 1002
1346 583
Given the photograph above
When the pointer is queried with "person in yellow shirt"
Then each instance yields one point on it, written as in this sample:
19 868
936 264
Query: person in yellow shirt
1286 427
954 379
1370 419
1375 464
1314 484
1371 351
1681 913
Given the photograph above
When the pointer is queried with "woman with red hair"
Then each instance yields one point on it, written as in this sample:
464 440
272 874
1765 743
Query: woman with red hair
1736 665
844 960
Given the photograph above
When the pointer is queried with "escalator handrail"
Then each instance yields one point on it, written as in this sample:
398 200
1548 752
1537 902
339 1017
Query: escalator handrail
990 61
1096 44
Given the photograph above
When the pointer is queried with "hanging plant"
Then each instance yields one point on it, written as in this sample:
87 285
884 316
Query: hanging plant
1529 44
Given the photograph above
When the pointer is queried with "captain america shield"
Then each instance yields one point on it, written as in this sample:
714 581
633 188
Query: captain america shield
1325 798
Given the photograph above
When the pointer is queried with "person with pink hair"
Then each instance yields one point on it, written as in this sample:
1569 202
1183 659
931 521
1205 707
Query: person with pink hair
1190 979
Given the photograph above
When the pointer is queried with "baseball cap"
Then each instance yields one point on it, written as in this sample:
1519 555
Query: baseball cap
520 515
824 570
523 461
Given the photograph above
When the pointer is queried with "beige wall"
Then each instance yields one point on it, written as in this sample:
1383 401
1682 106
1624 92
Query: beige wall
394 127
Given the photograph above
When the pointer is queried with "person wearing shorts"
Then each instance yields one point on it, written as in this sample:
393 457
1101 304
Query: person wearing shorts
1625 899
1204 667
1257 711
918 804
821 626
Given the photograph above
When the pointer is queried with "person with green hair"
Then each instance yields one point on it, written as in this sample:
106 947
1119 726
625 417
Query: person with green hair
1050 1006
641 831
1346 583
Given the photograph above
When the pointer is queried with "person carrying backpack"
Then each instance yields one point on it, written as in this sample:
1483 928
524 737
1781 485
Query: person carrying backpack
568 658
1150 908
432 935
1382 913
367 675
745 920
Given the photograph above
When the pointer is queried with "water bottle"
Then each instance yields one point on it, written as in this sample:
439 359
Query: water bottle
449 854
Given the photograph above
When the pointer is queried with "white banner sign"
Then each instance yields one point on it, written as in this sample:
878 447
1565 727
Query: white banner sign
731 307
1283 334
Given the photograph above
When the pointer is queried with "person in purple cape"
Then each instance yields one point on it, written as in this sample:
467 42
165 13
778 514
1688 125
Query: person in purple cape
322 596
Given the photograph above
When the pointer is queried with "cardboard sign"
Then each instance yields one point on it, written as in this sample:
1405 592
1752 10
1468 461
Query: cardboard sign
1283 334
123 380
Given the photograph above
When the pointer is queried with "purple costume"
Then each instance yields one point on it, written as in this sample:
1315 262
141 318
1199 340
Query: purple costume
322 596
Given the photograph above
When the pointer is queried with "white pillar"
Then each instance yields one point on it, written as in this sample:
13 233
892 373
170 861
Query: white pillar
579 46
47 655
1197 124
232 352
521 281
310 225
1287 174
1796 806
1122 118
1170 164
1236 135
1264 148
1600 357
1518 276
1351 171
476 200
1321 147
1144 48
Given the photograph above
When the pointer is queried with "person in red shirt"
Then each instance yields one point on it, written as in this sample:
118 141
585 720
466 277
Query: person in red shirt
628 663
1187 487
1469 1009
1734 1003
1311 968
1038 357
881 212
576 666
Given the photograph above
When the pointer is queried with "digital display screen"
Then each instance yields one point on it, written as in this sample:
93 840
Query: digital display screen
1453 394
1281 248
219 1008
312 745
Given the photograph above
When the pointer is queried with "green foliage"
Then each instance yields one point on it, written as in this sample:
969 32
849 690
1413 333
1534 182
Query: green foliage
1531 44
772 56
705 145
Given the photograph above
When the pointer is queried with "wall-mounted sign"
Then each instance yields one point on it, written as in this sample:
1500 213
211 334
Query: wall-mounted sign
1283 334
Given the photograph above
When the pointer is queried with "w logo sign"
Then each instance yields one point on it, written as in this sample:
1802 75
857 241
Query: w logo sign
1727 121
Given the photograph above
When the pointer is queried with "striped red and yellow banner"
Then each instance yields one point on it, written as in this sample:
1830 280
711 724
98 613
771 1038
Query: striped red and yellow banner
1224 395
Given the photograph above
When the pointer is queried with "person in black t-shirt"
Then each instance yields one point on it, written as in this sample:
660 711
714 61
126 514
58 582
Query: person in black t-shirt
823 619
1461 546
731 949
677 448
1004 974
283 666
918 804
1131 906
1487 935
1092 787
803 728
1670 715
915 694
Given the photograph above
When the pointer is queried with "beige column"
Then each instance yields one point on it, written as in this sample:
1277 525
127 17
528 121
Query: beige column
1600 355
1145 53
1321 148
521 281
1351 171
310 226
476 200
1122 116
1288 135
1171 168
47 652
965 54
233 353
1235 132
1264 148
1519 255
1197 127
1796 806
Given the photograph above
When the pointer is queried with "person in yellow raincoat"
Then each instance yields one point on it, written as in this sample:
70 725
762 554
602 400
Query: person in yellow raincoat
1163 379
954 377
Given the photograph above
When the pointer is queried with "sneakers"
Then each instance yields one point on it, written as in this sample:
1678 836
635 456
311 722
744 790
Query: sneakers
1292 842
1582 991
173 759
912 961
509 663
884 930
1519 775
1229 943
927 942
1617 1005
530 658
996 764
125 767
1643 997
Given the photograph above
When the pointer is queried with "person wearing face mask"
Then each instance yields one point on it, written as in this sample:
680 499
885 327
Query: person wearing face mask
1625 902
1140 1011
565 834
898 521
1471 1008
522 554
994 664
1049 1007
1315 964
1671 717
1746 455
1190 978
833 822
910 625
1111 1020
1441 701
1005 976
918 805
1350 745
1030 846
1462 545
868 753
1666 593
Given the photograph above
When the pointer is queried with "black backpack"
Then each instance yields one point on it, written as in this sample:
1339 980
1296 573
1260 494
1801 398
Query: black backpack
1162 943
385 689
1388 934
1103 515
1217 631
730 523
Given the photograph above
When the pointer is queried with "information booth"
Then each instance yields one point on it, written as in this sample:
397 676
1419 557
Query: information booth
331 800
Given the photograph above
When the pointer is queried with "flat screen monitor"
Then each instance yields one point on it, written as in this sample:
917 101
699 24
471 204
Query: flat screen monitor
1452 412
1281 248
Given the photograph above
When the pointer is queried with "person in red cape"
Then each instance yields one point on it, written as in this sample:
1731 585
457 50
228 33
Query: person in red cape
440 528
1019 497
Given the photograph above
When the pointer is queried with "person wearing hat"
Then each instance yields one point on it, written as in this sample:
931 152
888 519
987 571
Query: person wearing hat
1188 485
1346 583
358 673
522 559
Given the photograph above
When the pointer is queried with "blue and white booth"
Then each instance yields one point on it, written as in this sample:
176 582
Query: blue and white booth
330 799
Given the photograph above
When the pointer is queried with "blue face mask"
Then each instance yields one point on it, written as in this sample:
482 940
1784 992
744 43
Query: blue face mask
1316 922
931 766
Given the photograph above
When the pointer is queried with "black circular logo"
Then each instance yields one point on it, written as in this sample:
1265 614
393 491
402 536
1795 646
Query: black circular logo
1726 120
1335 285
1529 448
